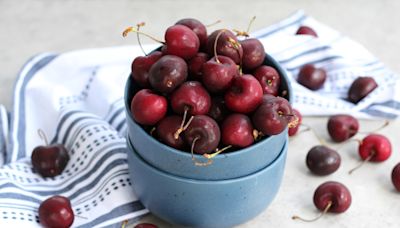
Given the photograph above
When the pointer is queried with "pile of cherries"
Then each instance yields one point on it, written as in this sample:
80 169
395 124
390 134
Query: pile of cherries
199 92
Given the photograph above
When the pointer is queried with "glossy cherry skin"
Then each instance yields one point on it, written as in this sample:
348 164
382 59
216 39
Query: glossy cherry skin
191 96
360 88
305 30
272 116
377 146
253 53
218 73
311 77
322 160
269 79
147 107
342 127
168 73
293 129
218 110
145 225
224 45
56 212
50 161
195 66
237 130
141 66
207 132
396 177
244 95
166 129
181 41
198 28
334 192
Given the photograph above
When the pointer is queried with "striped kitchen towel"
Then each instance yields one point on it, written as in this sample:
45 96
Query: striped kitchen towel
76 99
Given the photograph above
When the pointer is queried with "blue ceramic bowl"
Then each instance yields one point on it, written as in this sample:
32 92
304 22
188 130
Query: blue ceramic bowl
200 203
234 164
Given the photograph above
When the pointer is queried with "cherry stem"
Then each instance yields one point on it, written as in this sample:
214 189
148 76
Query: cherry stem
294 123
250 24
209 156
371 155
132 29
183 126
42 136
257 134
385 124
152 131
350 140
236 45
214 23
328 206
317 136
82 217
215 45
196 162
245 33
124 223
141 24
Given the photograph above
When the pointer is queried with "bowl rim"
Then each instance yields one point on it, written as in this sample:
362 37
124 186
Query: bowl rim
278 160
197 156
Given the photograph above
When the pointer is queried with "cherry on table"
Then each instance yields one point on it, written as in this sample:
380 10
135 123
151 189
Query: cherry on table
218 73
198 28
166 132
269 79
322 160
342 127
49 160
311 77
244 95
396 177
360 88
253 53
147 107
141 66
181 41
330 196
225 43
56 212
306 30
296 125
237 131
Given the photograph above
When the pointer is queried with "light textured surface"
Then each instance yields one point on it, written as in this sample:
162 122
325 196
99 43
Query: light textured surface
30 27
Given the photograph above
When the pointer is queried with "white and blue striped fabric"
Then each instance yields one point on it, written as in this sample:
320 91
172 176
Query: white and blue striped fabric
76 99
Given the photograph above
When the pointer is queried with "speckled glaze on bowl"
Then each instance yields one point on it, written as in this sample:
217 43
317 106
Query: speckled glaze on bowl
235 164
201 203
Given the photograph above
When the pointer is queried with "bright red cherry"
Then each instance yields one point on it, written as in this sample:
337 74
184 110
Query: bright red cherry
360 88
375 147
227 45
253 53
181 41
244 95
56 212
237 130
198 28
293 129
305 30
168 73
269 79
218 73
166 130
311 77
342 127
147 107
192 97
396 177
141 66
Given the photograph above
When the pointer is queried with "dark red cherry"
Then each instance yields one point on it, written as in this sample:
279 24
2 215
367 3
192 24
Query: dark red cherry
272 116
203 134
269 79
293 129
195 66
166 130
145 225
181 41
198 28
56 212
218 110
168 73
375 147
322 160
333 193
311 77
192 97
227 45
141 66
305 30
253 53
244 95
396 177
218 73
50 160
237 130
360 88
342 127
147 107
